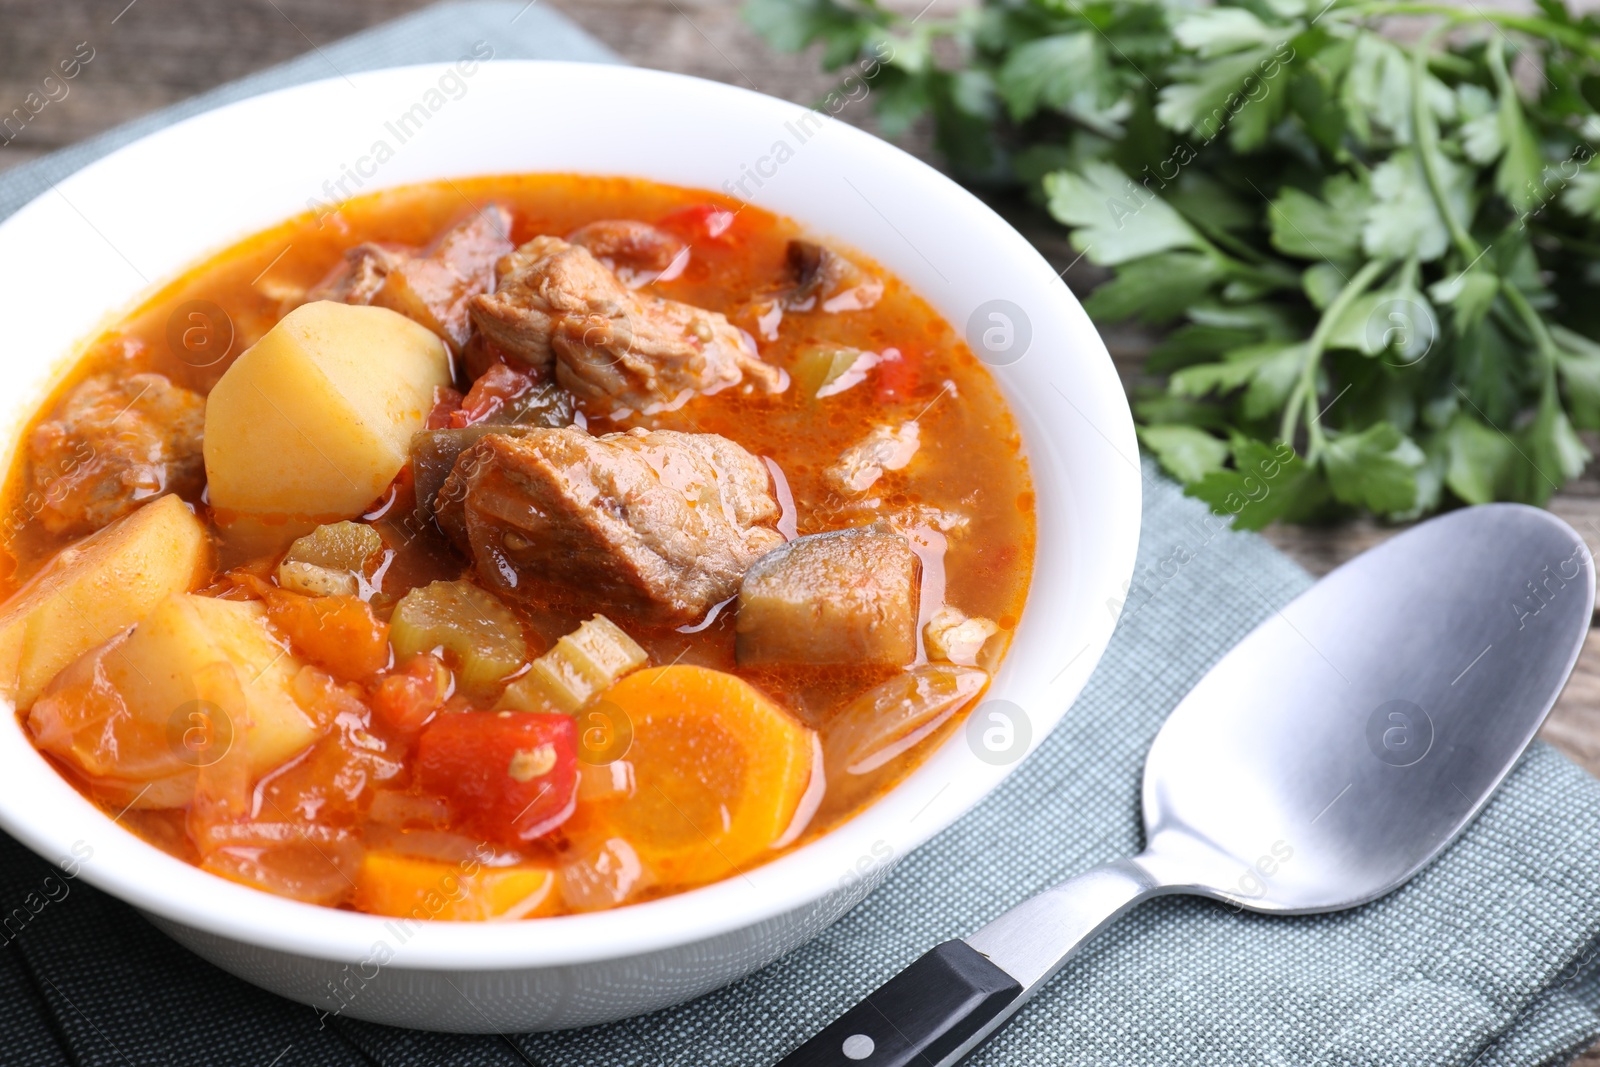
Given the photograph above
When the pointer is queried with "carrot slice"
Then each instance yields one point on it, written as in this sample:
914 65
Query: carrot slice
720 771
337 633
392 884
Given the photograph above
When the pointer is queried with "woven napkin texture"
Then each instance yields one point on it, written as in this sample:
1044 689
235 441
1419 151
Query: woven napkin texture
1486 958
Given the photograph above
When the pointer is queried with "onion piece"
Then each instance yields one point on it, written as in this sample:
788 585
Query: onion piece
602 876
313 863
889 720
408 810
441 845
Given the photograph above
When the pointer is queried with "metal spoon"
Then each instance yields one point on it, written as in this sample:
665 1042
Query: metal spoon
1321 763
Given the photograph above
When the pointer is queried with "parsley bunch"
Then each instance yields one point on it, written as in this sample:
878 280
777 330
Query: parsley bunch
1384 255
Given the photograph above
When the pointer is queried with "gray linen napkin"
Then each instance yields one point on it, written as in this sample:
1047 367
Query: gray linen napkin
1487 958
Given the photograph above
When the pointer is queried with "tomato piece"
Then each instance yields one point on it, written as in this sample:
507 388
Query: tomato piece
446 401
407 700
480 354
400 495
898 374
331 783
498 387
699 222
511 776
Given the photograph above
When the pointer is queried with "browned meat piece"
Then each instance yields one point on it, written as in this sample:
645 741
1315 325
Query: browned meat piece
614 348
358 279
820 279
825 279
431 288
846 596
115 443
657 523
638 252
434 454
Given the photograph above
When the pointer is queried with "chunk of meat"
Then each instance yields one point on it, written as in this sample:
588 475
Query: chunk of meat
954 636
616 349
886 448
504 400
658 524
820 279
903 518
434 454
115 443
358 279
638 252
431 288
846 596
945 520
824 279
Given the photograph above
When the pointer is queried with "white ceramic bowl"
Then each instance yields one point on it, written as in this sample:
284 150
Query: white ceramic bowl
81 254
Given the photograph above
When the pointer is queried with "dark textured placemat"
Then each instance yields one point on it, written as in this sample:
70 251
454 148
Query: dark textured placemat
1487 957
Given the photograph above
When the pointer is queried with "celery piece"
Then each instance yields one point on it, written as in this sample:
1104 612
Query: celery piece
482 636
580 665
330 560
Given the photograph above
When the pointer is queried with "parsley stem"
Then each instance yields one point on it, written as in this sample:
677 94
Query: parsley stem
1572 242
1567 36
1269 274
1537 328
1305 390
1426 135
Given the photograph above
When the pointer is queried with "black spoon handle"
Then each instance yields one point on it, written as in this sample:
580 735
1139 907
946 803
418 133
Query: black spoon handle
918 1017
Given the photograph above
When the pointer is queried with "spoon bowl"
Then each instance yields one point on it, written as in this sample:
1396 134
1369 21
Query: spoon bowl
1351 736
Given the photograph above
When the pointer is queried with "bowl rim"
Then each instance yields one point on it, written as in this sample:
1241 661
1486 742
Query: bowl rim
41 809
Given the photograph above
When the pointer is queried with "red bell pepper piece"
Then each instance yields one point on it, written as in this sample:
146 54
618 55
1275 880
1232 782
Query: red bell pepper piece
699 223
511 776
898 376
446 402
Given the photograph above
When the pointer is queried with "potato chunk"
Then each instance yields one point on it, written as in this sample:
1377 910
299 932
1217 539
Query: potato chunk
157 669
94 590
846 596
316 418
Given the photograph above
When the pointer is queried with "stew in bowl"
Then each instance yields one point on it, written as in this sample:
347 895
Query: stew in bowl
511 547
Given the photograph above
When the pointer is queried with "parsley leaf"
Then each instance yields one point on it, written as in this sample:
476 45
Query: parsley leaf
1189 453
1375 468
1320 228
1113 219
1266 483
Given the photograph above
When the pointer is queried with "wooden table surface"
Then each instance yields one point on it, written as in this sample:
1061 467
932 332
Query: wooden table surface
156 52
